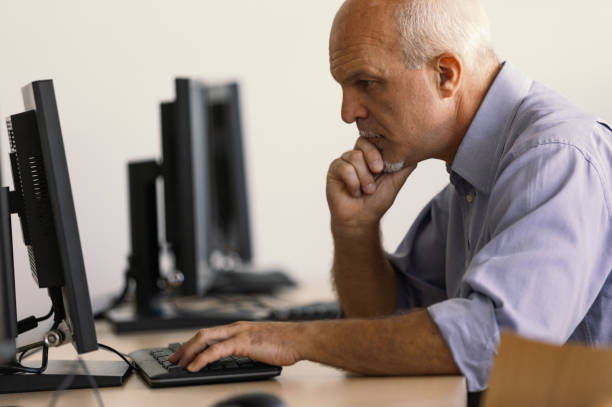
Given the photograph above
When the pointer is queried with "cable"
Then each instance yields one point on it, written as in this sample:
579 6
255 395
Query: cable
16 367
44 318
31 346
29 350
31 322
27 353
121 355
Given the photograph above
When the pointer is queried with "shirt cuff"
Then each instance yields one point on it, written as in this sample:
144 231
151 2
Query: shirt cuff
469 327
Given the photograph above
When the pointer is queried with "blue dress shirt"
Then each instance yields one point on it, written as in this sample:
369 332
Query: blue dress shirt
521 238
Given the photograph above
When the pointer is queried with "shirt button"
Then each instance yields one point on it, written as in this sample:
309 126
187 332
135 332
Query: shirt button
469 197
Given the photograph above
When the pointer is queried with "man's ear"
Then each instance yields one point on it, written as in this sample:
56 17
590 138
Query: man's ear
449 70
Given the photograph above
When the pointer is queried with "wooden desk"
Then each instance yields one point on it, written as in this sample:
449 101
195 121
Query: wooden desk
304 384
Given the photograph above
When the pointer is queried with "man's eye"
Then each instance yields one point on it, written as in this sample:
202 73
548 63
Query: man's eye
365 83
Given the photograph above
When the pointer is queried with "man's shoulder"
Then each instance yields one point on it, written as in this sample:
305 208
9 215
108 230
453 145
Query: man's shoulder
544 117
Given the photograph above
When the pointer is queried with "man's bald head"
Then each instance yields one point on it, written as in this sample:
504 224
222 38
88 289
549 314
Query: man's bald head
412 72
421 29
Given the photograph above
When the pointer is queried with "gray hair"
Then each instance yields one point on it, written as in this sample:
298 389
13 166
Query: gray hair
430 27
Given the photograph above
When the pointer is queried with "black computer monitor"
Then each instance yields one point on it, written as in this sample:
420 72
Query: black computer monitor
43 201
185 135
205 187
206 213
47 213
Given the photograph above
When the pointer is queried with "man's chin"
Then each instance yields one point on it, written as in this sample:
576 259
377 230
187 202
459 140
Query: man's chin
390 168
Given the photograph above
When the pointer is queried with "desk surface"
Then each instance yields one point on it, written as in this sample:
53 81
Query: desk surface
304 384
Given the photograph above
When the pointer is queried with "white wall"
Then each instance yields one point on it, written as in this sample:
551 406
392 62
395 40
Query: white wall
113 62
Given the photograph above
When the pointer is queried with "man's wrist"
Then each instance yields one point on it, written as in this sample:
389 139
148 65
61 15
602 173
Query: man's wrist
308 338
355 230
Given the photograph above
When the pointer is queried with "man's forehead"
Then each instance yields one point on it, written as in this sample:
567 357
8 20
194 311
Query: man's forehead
359 59
363 21
364 35
367 15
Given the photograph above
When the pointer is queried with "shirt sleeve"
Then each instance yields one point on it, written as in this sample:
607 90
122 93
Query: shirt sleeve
545 261
420 258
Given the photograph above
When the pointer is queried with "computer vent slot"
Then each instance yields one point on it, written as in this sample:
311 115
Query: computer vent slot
36 173
39 185
11 134
32 263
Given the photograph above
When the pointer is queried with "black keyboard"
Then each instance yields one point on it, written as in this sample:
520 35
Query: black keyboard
247 282
157 371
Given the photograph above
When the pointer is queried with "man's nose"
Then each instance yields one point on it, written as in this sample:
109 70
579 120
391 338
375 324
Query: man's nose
352 107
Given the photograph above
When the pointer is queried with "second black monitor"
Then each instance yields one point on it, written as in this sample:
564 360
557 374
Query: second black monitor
205 187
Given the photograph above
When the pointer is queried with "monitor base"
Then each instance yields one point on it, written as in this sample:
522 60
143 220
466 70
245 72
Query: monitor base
250 281
58 372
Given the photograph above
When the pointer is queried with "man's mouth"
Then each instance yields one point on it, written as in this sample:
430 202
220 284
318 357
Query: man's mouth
369 134
374 137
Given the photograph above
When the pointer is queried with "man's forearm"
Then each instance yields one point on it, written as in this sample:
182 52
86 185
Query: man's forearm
409 344
363 277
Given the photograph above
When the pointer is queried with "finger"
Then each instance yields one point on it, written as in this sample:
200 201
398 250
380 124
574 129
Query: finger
346 173
366 179
372 155
176 356
204 337
213 353
397 179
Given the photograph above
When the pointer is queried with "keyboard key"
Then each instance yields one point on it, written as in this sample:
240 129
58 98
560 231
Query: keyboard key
176 369
230 365
226 359
174 347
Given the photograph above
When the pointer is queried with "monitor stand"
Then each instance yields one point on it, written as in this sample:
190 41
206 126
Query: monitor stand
67 374
151 311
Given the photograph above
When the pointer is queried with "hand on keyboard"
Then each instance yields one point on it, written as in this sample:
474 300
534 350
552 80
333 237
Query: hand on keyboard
275 343
157 371
229 362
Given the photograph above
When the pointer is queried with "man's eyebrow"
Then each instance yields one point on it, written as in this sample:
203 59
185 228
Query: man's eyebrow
357 74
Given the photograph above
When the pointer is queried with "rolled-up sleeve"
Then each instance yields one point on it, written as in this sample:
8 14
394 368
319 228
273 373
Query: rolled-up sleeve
543 262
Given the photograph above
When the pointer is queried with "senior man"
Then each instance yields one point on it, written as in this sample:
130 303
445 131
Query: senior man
520 239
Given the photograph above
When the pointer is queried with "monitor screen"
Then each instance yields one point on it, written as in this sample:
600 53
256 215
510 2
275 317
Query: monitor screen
47 214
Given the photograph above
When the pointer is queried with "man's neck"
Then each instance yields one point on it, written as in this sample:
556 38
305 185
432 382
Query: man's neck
475 89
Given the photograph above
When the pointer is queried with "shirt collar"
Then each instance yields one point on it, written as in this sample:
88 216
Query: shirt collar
480 148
